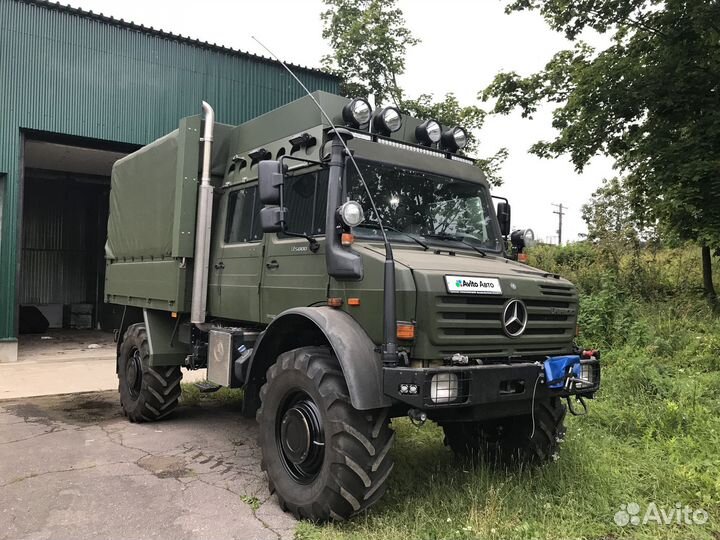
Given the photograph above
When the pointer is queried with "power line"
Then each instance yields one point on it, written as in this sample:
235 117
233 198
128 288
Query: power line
560 214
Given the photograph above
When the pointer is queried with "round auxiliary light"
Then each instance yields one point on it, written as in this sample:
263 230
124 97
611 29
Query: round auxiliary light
454 139
351 213
357 113
429 132
387 121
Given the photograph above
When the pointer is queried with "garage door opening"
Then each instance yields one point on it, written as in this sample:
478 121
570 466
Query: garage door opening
66 189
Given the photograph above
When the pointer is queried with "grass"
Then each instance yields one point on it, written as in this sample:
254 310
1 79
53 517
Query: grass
652 436
191 395
252 502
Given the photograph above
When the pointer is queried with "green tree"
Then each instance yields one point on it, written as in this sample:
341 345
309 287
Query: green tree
616 223
369 39
651 100
612 214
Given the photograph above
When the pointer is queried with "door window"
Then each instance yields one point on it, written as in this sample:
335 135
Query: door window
305 199
243 222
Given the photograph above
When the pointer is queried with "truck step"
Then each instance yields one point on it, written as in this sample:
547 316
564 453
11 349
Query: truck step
207 387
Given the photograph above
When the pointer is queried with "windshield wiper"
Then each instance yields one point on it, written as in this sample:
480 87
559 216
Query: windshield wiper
454 238
393 229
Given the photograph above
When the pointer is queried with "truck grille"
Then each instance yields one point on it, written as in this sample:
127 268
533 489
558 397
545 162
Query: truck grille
473 324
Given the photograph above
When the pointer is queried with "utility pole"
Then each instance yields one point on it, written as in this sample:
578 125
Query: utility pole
560 214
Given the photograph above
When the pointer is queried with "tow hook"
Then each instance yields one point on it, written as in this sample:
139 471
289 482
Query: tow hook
417 417
572 409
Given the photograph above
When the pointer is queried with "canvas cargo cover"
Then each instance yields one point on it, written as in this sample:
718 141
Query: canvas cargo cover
142 201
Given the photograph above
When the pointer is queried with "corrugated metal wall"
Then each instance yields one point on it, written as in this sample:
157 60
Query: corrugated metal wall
61 245
73 74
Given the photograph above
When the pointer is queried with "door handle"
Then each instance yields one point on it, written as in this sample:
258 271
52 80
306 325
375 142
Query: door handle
219 265
272 265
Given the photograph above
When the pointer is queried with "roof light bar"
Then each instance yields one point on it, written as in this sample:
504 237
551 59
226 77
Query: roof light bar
387 120
454 139
428 133
357 113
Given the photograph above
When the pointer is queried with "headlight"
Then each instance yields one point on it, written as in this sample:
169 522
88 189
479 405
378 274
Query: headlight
588 373
351 213
387 121
454 139
429 132
357 113
444 388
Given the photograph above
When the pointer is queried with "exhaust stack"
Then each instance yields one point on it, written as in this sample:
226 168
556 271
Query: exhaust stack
203 224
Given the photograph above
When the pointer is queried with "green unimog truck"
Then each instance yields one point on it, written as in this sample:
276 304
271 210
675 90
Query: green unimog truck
344 266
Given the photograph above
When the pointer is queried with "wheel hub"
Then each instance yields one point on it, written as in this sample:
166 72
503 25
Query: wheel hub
133 373
301 437
296 436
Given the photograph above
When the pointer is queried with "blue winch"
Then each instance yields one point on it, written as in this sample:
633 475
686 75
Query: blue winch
558 369
566 372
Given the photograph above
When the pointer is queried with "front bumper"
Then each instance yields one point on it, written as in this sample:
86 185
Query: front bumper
480 385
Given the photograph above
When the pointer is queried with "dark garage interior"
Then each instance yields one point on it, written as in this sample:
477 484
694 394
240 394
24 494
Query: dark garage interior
65 211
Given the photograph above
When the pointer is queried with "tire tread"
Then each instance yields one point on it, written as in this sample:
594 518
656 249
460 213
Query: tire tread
357 442
510 440
160 391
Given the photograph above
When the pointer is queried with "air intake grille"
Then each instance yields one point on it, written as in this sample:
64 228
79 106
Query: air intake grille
473 324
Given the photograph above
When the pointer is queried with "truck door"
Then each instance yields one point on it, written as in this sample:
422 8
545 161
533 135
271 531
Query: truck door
237 262
294 276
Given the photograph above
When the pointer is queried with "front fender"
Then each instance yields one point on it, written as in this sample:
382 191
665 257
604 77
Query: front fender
308 326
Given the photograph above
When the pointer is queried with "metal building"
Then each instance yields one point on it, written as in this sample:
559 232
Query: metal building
79 90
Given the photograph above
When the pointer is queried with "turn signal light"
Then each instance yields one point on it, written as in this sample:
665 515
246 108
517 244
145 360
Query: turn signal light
347 239
353 301
405 330
523 258
335 302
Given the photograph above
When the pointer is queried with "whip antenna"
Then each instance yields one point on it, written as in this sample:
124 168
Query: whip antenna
332 124
389 349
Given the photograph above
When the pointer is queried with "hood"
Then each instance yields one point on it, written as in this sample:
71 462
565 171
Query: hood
461 301
463 261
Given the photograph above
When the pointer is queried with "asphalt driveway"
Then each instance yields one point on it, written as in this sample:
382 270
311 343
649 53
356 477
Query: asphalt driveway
72 467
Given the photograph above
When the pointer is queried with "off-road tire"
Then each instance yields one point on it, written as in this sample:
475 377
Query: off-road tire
146 393
355 465
510 440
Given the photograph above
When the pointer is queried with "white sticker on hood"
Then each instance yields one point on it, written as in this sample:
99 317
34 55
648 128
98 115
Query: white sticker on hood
472 285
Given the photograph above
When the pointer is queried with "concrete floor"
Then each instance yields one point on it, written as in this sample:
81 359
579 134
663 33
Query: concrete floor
65 361
71 467
65 344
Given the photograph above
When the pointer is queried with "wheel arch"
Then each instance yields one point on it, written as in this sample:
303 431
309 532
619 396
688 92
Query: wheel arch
302 327
161 328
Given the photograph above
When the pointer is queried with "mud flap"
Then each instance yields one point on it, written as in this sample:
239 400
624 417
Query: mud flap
162 330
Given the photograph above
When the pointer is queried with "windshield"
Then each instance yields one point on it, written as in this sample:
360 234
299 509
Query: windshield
436 208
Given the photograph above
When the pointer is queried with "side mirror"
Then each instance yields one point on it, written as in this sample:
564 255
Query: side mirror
503 215
517 240
270 182
272 219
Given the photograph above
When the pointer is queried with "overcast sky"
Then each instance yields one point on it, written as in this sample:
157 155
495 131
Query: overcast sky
464 44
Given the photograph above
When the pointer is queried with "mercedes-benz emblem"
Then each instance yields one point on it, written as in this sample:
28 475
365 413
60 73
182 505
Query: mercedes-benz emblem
514 318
